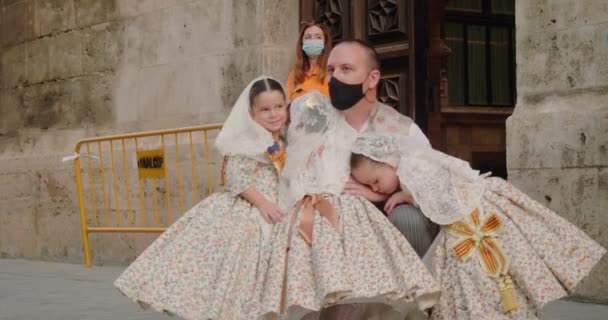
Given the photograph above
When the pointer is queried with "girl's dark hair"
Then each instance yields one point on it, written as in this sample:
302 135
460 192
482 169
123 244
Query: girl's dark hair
264 85
356 160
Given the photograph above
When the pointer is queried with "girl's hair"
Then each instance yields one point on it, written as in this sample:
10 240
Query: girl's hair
356 160
302 63
264 85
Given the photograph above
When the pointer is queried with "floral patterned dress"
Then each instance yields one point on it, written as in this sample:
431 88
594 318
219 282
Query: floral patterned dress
546 257
365 261
333 248
205 266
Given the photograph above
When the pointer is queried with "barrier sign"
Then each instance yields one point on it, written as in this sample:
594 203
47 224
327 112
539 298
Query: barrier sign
151 164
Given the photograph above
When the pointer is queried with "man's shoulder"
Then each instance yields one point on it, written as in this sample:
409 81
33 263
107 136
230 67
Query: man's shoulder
391 121
391 113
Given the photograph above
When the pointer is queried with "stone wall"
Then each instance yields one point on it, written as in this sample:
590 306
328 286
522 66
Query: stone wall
557 139
72 69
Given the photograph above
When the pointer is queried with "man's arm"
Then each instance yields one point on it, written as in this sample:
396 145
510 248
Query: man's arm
418 136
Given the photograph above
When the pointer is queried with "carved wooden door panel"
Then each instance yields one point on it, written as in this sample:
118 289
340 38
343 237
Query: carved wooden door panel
389 26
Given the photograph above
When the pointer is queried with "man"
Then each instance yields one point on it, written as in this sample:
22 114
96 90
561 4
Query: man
354 72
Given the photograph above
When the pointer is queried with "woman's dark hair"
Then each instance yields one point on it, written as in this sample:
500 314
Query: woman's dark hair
356 160
264 85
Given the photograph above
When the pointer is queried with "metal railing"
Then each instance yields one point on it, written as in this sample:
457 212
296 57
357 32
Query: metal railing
136 183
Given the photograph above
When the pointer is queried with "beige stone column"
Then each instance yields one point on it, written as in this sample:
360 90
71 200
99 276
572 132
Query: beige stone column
557 139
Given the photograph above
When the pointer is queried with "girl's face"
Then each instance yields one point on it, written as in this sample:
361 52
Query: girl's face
380 177
270 110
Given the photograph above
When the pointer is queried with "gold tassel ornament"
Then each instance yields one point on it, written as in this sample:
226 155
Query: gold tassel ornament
507 293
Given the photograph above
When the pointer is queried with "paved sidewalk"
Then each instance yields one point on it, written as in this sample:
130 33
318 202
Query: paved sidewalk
32 290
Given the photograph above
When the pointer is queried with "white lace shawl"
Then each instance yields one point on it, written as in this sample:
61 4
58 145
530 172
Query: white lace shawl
446 188
388 121
318 151
241 135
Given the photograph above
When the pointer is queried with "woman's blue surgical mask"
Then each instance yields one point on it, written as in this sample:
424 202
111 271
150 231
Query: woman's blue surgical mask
313 47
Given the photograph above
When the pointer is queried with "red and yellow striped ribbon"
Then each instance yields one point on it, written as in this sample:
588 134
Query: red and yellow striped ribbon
476 236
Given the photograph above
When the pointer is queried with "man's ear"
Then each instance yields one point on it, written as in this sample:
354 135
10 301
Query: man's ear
374 79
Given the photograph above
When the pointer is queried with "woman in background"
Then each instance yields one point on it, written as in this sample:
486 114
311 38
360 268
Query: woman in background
310 70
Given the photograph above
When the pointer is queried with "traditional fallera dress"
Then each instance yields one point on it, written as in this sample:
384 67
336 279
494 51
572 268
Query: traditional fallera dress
335 248
500 254
206 265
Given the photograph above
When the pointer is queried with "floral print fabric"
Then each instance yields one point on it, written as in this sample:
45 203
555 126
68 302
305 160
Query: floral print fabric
547 257
205 266
366 261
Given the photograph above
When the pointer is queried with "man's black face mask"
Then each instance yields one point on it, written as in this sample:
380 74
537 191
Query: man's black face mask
344 96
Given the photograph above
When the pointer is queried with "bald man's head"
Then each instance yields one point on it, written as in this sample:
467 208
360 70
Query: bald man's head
371 55
353 64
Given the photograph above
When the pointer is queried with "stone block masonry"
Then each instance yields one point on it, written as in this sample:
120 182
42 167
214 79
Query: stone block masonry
557 139
71 69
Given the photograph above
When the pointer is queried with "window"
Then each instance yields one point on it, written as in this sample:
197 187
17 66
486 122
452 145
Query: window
481 67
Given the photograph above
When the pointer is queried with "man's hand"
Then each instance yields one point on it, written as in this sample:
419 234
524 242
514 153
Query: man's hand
354 187
396 199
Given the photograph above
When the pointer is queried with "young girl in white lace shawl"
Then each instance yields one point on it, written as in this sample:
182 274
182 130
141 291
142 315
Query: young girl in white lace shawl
500 254
334 249
206 265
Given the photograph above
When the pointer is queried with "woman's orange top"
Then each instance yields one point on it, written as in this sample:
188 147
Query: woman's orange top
310 82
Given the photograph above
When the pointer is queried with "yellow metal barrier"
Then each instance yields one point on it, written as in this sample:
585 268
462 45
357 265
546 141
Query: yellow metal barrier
129 176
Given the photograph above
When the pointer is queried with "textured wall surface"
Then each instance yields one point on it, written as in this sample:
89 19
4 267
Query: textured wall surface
72 69
557 139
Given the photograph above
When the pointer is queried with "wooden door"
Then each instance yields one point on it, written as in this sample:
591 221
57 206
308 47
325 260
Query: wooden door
389 25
